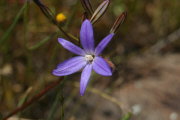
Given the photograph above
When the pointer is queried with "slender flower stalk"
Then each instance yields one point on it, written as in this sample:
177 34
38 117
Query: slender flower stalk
50 16
89 58
35 98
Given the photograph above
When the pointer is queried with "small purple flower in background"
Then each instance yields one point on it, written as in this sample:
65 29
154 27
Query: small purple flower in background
88 58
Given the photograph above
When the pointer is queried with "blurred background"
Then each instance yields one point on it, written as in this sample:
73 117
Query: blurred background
145 52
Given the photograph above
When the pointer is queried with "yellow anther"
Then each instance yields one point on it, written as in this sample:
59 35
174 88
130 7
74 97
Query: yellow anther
60 17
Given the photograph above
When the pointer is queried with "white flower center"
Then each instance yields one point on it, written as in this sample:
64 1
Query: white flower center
89 58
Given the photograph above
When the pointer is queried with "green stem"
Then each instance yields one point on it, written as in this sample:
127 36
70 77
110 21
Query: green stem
25 24
127 116
56 101
35 98
13 24
43 41
23 100
62 107
27 52
50 36
65 28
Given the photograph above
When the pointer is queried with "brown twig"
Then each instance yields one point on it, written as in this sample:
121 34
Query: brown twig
44 91
164 42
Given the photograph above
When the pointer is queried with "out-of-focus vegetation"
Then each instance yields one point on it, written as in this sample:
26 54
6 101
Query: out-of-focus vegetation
25 71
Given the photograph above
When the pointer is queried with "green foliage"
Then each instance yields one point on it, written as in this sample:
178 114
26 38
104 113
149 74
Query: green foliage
7 33
127 116
1 117
58 96
31 60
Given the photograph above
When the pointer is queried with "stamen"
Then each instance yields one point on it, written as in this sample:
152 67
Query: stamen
89 58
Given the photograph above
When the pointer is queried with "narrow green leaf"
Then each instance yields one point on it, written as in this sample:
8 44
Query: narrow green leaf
22 101
62 107
50 116
6 34
43 41
46 11
127 116
50 16
1 117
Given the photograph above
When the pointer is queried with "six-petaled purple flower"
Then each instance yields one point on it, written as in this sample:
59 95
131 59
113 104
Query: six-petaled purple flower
89 58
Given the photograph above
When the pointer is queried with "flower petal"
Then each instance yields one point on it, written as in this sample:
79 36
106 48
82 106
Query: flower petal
71 47
103 44
87 37
86 73
70 66
101 66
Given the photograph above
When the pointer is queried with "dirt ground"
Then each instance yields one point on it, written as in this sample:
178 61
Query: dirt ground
152 92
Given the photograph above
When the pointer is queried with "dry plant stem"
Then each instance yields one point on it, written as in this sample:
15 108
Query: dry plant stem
162 43
44 91
93 90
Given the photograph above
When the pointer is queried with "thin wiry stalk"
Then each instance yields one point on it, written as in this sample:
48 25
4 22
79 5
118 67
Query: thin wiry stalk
23 100
66 26
6 34
93 90
52 111
44 91
50 16
127 116
43 41
27 52
62 107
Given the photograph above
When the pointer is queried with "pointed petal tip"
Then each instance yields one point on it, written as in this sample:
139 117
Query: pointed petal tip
103 44
81 93
112 34
87 37
85 76
54 72
60 40
70 66
101 67
110 74
82 90
71 47
86 20
107 73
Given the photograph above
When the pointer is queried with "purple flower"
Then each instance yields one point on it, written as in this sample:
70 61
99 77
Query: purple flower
88 58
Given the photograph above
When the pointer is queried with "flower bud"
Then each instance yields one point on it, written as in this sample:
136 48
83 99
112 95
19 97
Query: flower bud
87 6
60 17
46 11
99 11
119 21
